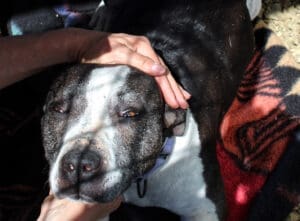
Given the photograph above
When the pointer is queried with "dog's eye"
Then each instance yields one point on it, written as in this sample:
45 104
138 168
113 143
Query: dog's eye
59 107
129 114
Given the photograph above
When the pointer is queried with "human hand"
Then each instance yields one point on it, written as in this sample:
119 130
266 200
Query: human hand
135 51
29 54
54 209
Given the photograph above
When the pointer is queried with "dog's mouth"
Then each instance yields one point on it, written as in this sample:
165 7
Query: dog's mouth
100 189
93 175
76 197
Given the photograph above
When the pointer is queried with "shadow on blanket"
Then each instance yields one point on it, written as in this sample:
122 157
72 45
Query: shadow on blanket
255 134
260 165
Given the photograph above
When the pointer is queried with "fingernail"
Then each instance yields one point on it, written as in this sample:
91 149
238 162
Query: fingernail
187 95
158 69
184 105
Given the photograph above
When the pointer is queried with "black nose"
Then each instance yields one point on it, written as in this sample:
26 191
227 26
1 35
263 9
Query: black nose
80 164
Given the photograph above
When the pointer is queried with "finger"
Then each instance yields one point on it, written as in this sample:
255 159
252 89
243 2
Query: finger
142 45
139 44
141 62
167 91
186 94
178 92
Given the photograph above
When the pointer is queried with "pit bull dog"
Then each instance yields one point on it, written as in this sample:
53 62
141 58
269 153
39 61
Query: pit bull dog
107 130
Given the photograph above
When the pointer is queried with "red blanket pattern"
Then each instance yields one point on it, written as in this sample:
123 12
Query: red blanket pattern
256 129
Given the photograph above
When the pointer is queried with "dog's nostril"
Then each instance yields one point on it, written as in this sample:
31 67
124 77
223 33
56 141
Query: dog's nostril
90 162
87 168
80 163
70 167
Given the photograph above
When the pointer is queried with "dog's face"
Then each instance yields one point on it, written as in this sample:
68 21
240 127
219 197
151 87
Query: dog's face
102 128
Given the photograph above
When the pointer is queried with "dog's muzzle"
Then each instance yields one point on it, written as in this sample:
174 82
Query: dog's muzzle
78 165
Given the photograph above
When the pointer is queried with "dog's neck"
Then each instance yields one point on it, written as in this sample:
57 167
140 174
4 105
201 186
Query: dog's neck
191 187
160 161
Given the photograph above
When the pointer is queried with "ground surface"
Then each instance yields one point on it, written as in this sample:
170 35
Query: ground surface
284 22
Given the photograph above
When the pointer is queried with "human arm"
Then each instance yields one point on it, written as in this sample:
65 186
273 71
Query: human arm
22 56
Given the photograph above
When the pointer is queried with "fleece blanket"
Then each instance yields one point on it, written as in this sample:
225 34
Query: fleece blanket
259 148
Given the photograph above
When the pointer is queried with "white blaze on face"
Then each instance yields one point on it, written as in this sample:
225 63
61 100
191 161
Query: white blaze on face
101 88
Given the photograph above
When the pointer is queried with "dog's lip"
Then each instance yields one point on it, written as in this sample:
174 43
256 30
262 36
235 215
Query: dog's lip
76 197
84 198
81 197
95 192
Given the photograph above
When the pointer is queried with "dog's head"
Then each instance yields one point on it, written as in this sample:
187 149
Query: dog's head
102 128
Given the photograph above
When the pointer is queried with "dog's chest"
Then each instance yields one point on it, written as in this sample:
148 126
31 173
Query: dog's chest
179 185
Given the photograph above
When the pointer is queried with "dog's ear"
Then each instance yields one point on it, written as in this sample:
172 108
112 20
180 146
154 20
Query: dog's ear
175 120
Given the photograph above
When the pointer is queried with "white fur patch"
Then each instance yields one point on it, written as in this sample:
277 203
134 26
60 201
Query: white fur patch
179 185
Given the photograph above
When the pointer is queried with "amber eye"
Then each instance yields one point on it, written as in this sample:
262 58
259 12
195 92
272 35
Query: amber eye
129 113
59 107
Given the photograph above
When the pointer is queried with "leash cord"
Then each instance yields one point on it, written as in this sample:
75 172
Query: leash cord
141 189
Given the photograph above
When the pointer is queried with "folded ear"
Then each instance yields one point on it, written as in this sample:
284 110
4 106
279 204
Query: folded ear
175 120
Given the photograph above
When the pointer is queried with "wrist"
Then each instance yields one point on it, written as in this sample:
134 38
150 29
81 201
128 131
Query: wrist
79 41
74 43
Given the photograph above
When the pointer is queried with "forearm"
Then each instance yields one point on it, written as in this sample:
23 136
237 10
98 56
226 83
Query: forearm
23 56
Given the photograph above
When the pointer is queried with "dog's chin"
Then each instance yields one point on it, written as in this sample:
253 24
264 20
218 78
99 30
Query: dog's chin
102 190
90 198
